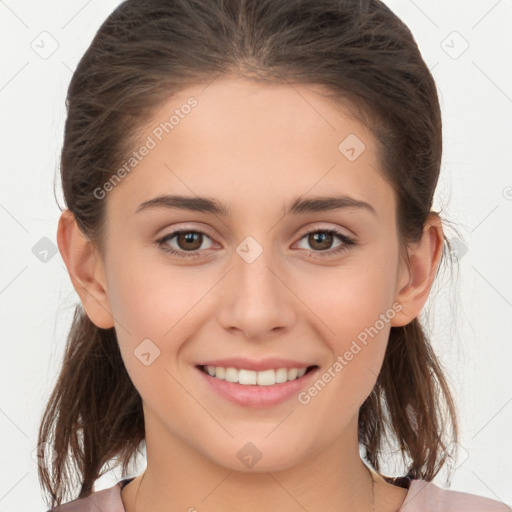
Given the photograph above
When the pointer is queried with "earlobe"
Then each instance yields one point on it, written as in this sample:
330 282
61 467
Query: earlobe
85 269
423 261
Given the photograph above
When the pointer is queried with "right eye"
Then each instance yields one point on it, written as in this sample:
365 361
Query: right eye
189 240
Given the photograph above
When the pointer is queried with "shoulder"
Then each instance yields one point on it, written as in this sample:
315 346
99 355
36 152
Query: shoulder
106 500
424 496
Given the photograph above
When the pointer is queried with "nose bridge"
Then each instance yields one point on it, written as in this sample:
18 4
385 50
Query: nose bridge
257 300
254 267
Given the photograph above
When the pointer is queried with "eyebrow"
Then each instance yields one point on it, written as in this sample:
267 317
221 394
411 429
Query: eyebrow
299 205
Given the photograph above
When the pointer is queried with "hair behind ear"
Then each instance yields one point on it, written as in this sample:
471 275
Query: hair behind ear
412 380
94 413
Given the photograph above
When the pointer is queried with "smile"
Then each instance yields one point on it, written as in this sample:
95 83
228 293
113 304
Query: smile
255 378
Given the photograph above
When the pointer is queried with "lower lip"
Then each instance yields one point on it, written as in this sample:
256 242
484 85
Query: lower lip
257 396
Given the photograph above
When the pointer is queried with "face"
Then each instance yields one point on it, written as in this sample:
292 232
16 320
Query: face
257 282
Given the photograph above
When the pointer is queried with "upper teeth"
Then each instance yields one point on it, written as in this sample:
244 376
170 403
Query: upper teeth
248 377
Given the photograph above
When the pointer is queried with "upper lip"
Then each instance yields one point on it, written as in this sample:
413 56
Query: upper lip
264 364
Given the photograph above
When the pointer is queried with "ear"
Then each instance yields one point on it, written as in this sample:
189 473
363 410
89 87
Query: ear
85 268
417 275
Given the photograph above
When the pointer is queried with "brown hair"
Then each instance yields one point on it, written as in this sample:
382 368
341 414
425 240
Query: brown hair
147 50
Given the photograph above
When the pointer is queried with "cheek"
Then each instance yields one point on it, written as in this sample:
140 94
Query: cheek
350 298
156 308
151 319
357 334
148 297
354 303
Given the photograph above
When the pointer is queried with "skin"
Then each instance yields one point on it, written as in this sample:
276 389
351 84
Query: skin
255 147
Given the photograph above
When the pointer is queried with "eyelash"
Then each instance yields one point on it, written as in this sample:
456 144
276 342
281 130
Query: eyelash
348 243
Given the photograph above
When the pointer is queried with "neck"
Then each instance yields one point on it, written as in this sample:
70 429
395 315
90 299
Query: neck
178 478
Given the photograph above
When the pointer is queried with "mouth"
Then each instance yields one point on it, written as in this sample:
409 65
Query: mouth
244 377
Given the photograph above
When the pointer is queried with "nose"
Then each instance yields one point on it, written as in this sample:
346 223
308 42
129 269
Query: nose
256 299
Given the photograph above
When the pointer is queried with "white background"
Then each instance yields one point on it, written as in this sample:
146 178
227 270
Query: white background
471 317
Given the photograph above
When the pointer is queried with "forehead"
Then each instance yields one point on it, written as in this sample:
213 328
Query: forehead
259 116
236 138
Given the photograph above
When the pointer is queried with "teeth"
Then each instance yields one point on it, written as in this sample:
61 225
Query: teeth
250 377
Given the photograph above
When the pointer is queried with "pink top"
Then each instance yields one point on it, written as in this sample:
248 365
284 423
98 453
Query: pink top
422 496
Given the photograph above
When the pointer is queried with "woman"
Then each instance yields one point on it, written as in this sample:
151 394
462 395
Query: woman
249 228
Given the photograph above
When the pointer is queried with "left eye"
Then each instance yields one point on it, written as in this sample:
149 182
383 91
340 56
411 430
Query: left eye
325 237
190 241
